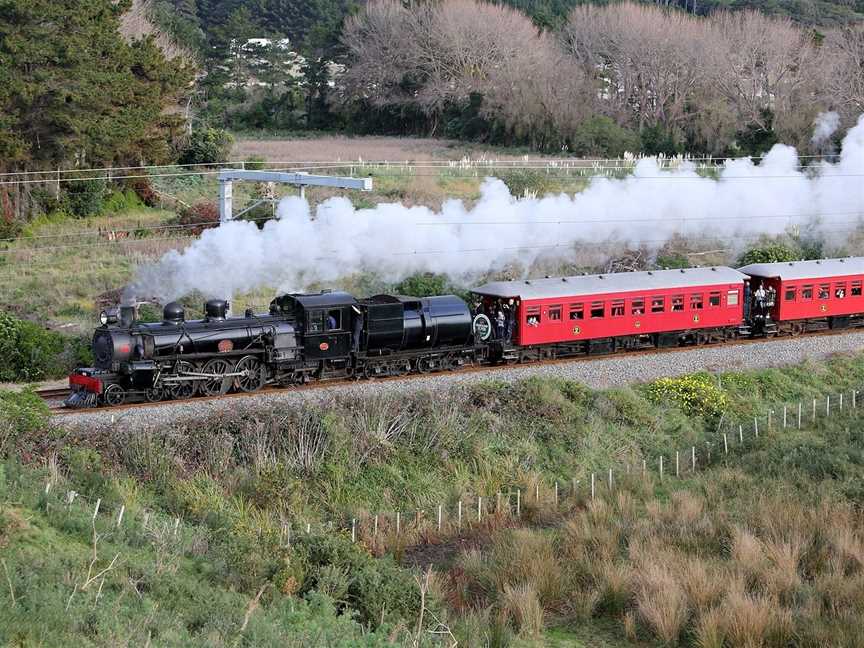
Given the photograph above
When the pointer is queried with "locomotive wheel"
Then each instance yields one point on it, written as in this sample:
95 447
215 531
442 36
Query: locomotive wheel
114 395
183 389
251 378
221 384
154 395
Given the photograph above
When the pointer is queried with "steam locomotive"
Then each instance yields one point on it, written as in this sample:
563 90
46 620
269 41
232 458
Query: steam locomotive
330 335
302 337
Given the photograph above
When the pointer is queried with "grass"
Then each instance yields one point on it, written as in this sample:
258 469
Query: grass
737 552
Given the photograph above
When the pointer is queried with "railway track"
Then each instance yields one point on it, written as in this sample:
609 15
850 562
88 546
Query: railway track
55 395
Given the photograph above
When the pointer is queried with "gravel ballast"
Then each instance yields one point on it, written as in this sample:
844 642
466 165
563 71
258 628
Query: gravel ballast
601 373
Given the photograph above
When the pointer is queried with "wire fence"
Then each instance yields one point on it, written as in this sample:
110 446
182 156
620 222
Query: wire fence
515 505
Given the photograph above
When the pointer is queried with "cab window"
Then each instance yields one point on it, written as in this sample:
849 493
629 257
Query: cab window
334 320
315 321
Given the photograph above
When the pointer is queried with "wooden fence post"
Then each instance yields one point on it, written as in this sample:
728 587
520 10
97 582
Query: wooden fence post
439 517
725 444
518 502
479 507
375 527
841 401
556 494
814 411
592 486
537 492
828 405
498 502
96 510
353 530
610 479
799 414
693 458
741 434
661 467
756 426
398 522
644 468
120 515
784 417
459 516
677 464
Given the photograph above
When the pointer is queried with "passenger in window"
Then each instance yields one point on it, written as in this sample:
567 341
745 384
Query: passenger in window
840 293
638 309
500 320
331 322
823 292
533 320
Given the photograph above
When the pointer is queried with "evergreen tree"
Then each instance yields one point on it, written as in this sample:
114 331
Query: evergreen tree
72 91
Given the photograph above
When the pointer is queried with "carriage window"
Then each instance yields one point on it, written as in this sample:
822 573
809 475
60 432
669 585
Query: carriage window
597 310
532 316
714 299
638 307
695 302
790 293
577 311
806 292
618 308
677 303
856 288
315 321
824 292
555 313
840 290
732 298
658 304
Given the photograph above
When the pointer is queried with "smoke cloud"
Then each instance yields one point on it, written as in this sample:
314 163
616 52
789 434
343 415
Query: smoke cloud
646 208
824 126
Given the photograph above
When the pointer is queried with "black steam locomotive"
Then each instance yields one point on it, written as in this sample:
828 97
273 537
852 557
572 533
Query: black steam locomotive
303 337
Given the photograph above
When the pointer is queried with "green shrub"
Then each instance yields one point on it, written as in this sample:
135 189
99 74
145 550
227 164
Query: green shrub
21 413
377 590
769 253
207 146
601 136
121 201
422 285
696 394
522 181
255 163
28 351
86 197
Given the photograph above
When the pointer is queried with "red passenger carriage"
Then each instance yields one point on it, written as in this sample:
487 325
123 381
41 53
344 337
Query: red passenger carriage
812 294
601 313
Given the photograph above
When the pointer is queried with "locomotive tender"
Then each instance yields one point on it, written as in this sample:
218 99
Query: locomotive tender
329 335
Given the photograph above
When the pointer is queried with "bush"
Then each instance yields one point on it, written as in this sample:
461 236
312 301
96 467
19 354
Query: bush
207 146
121 201
200 216
521 182
696 395
143 188
21 413
771 253
86 197
27 351
601 136
422 285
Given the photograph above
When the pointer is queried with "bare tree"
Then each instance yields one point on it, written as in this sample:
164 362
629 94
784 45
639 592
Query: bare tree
844 71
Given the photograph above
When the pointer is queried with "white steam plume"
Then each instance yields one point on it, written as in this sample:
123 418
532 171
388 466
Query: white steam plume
824 126
393 240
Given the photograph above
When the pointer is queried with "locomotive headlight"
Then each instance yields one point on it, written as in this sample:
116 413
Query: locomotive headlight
108 316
